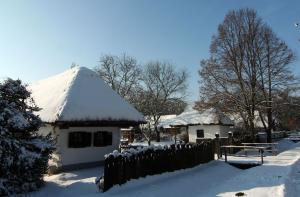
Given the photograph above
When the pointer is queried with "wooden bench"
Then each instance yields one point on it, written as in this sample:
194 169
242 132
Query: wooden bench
259 149
270 147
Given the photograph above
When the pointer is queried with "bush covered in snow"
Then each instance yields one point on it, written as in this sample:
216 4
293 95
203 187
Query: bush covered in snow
24 154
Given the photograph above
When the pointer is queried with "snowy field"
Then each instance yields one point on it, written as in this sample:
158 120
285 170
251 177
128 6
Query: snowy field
279 176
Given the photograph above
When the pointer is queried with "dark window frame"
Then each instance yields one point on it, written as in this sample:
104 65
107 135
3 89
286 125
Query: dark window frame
102 138
79 139
201 135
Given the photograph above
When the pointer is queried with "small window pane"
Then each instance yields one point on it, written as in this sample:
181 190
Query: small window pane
102 138
200 133
108 138
79 139
99 139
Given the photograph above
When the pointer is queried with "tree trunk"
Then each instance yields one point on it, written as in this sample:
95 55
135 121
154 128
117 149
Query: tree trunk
270 126
269 109
252 132
157 134
251 128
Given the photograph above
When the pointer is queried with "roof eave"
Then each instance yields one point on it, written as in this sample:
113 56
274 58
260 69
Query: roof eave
97 123
201 124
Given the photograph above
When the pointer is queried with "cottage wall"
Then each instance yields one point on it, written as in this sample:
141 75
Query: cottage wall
71 156
209 131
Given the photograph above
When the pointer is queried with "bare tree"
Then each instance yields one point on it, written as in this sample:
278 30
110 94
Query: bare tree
156 90
163 88
245 54
274 76
122 73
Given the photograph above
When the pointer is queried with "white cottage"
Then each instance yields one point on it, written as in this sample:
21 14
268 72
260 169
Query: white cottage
204 124
84 115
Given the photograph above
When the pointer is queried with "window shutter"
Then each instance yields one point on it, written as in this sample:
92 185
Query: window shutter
71 143
200 133
108 138
87 139
102 138
79 139
99 139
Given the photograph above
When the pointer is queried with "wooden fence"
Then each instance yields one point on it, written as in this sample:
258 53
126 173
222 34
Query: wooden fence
120 168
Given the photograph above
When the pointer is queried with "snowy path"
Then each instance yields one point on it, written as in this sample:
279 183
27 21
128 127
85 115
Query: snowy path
77 183
278 176
293 182
191 182
269 179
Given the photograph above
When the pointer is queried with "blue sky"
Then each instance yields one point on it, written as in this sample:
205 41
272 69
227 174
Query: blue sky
42 38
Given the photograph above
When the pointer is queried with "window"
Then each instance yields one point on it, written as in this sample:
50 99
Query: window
200 133
79 139
102 138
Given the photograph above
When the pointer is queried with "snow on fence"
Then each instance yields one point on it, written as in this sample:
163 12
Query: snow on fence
134 163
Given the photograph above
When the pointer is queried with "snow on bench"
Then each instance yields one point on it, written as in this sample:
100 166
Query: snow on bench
270 147
230 147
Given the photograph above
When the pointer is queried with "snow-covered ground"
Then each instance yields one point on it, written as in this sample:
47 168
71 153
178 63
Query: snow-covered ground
293 182
279 176
76 183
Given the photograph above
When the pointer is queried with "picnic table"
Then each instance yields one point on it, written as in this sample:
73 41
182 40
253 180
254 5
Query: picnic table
270 147
260 150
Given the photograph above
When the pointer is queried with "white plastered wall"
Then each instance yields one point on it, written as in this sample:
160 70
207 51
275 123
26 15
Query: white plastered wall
64 155
70 156
209 131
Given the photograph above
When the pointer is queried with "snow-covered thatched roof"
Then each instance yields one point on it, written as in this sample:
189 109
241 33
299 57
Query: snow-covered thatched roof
194 117
78 95
258 123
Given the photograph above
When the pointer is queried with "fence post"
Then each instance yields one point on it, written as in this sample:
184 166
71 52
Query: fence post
230 141
212 151
108 172
218 145
143 165
138 166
